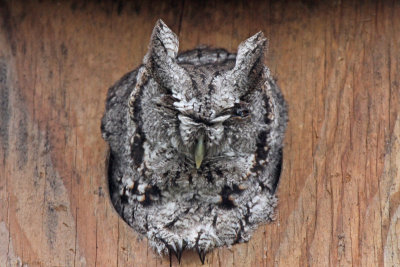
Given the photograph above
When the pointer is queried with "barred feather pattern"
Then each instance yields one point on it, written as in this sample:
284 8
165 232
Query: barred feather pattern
158 116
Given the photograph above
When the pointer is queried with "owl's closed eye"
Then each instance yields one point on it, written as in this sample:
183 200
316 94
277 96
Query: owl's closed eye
196 144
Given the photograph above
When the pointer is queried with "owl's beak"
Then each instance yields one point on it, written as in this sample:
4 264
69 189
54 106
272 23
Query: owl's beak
199 151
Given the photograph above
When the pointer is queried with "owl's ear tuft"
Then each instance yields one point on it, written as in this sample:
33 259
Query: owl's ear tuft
164 41
252 48
161 60
249 60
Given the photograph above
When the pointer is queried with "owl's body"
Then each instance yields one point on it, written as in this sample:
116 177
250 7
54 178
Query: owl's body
196 144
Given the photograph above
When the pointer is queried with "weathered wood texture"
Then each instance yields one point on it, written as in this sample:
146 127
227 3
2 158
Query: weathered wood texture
338 64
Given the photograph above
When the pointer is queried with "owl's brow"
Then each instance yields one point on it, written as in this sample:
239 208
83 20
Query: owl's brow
225 111
166 102
165 106
241 104
200 120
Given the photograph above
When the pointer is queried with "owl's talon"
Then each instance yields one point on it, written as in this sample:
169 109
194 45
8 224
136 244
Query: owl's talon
179 256
202 255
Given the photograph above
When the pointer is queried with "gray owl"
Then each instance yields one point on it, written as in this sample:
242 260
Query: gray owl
195 144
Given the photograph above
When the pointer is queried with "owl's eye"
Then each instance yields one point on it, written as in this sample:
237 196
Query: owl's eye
240 111
166 101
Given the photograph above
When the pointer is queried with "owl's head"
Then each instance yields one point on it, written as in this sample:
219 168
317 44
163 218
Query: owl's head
206 105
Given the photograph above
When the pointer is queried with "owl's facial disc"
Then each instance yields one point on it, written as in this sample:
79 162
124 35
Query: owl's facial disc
208 138
205 104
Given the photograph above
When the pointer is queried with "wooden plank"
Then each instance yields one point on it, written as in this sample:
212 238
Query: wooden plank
338 64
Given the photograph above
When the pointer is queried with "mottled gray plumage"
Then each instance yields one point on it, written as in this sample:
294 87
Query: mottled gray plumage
196 144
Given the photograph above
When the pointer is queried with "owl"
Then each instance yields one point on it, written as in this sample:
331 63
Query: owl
195 144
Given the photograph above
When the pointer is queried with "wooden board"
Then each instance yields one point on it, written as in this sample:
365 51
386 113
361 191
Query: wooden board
337 62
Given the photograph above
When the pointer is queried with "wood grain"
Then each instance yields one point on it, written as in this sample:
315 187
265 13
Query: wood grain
337 62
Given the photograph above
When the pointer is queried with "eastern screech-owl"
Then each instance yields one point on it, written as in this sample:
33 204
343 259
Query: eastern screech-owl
196 144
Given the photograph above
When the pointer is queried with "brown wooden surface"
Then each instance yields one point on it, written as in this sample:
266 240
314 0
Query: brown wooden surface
338 64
